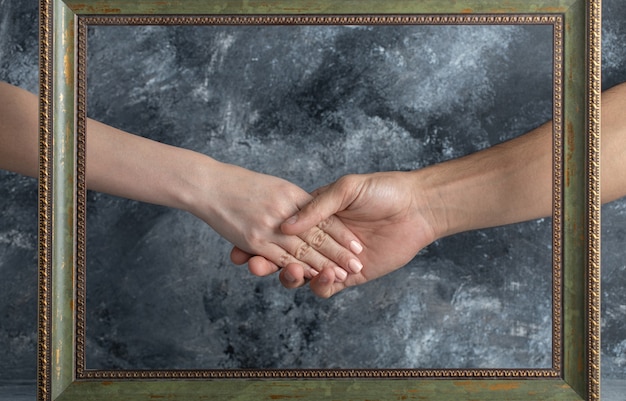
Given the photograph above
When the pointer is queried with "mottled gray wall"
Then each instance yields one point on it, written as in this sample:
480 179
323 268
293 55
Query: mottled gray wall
309 105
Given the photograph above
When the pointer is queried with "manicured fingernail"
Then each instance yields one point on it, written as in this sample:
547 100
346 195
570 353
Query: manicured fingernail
355 266
356 247
292 219
340 274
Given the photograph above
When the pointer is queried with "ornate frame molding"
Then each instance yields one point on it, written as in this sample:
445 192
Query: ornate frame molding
556 21
53 377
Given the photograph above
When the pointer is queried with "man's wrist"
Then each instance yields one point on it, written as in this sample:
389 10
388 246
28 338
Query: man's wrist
430 196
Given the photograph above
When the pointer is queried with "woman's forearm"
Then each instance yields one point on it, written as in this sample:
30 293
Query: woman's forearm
18 130
118 163
138 168
243 206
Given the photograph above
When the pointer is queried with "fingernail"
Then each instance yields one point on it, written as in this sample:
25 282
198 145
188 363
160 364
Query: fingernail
323 279
292 219
341 274
355 266
289 277
356 247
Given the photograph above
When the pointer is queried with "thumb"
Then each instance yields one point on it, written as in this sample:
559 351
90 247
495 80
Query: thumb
326 202
323 285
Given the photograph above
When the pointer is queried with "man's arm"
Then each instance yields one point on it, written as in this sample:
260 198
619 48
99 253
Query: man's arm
396 214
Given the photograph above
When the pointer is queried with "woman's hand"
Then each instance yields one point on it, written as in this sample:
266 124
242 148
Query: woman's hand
247 209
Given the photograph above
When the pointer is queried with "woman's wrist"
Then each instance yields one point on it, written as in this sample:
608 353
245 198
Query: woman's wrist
197 185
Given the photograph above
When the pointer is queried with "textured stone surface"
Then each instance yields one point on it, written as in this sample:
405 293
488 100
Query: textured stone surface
307 104
311 104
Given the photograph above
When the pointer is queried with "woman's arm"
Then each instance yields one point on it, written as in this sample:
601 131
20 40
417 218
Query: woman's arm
243 206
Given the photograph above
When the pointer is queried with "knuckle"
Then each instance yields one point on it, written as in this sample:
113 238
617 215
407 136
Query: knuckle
327 264
347 181
302 251
326 224
316 208
283 260
314 203
342 257
254 238
318 239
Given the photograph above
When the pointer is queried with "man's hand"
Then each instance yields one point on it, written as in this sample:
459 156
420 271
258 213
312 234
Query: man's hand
383 210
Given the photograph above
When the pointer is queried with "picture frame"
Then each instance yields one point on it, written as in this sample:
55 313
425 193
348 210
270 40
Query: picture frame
575 374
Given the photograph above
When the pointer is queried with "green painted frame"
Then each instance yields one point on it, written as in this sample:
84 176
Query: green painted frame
575 374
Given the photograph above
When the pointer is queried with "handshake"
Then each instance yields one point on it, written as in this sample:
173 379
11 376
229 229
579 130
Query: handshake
364 226
343 234
352 231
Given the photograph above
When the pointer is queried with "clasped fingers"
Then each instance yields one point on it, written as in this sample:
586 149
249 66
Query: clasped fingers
325 244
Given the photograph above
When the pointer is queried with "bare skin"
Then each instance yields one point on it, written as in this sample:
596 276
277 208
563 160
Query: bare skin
396 214
243 206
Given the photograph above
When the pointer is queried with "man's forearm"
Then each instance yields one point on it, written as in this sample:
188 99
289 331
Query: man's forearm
512 182
613 147
507 183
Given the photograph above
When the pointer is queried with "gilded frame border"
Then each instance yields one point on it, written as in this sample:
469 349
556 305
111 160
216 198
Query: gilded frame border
576 217
555 21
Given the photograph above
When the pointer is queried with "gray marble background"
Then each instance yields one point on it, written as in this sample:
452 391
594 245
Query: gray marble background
310 105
